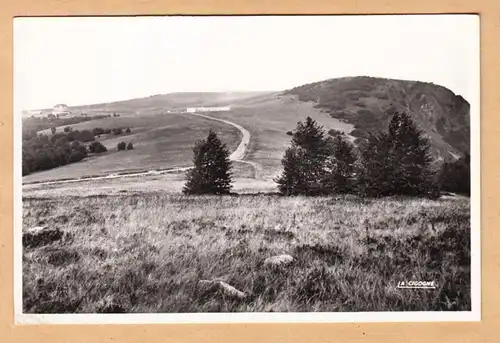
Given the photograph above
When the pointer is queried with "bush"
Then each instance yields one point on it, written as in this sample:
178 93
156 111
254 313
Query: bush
67 129
290 133
97 131
335 133
128 130
75 156
107 131
97 148
73 136
121 146
86 136
117 131
130 146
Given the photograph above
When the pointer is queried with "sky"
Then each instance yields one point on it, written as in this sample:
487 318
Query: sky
87 60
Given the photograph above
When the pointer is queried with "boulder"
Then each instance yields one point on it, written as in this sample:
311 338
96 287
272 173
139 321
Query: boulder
278 261
41 235
214 286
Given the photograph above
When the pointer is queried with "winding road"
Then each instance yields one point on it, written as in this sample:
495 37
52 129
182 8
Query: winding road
237 155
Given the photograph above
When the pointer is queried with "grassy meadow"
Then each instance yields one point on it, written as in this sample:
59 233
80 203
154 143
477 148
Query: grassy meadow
148 252
162 140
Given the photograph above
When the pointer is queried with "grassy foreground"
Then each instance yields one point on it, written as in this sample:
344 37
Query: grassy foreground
146 253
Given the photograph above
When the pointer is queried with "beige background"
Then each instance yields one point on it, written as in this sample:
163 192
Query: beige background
485 331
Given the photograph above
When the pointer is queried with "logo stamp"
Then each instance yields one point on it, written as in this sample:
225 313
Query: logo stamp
417 284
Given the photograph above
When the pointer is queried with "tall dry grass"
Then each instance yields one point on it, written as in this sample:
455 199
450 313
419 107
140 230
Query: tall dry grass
132 253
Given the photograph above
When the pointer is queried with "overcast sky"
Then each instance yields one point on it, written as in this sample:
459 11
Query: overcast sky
89 60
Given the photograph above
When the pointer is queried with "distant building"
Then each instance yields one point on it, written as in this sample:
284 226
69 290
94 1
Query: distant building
208 109
61 110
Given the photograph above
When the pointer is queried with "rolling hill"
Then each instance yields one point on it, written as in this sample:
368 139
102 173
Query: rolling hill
159 102
368 103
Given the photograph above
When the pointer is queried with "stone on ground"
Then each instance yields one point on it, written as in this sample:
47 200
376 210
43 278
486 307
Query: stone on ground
278 261
40 235
214 286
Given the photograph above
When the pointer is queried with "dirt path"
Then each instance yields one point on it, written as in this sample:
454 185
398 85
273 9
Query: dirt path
237 155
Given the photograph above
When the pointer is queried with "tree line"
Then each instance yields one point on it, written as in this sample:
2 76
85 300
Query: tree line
395 162
43 152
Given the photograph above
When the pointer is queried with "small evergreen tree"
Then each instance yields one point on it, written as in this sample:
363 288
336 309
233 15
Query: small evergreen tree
375 170
211 173
411 158
340 176
304 162
455 176
397 162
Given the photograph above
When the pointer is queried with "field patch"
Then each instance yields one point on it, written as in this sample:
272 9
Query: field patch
160 141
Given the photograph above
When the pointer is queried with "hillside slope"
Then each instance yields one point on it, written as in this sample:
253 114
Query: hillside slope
368 103
160 102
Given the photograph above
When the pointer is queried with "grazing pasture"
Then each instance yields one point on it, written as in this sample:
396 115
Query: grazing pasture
150 252
164 140
160 141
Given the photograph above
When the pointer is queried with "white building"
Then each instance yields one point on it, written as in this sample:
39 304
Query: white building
208 109
61 109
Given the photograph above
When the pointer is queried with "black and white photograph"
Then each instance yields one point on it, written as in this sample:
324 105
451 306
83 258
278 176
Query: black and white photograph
196 169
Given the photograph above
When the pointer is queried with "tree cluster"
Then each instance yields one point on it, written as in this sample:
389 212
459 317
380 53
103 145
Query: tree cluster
43 152
397 162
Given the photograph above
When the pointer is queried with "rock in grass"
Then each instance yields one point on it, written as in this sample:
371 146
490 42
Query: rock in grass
214 286
278 261
40 235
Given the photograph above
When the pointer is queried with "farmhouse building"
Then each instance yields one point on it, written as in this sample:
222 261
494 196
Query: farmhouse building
61 110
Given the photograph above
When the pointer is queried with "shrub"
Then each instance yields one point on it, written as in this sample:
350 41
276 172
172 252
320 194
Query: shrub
97 147
86 136
107 131
127 130
75 156
211 172
121 146
73 136
290 133
53 130
130 146
117 131
334 133
67 129
97 131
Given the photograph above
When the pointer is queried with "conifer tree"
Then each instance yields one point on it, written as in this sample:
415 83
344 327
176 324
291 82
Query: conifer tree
397 162
304 162
411 157
340 167
211 173
375 168
455 176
